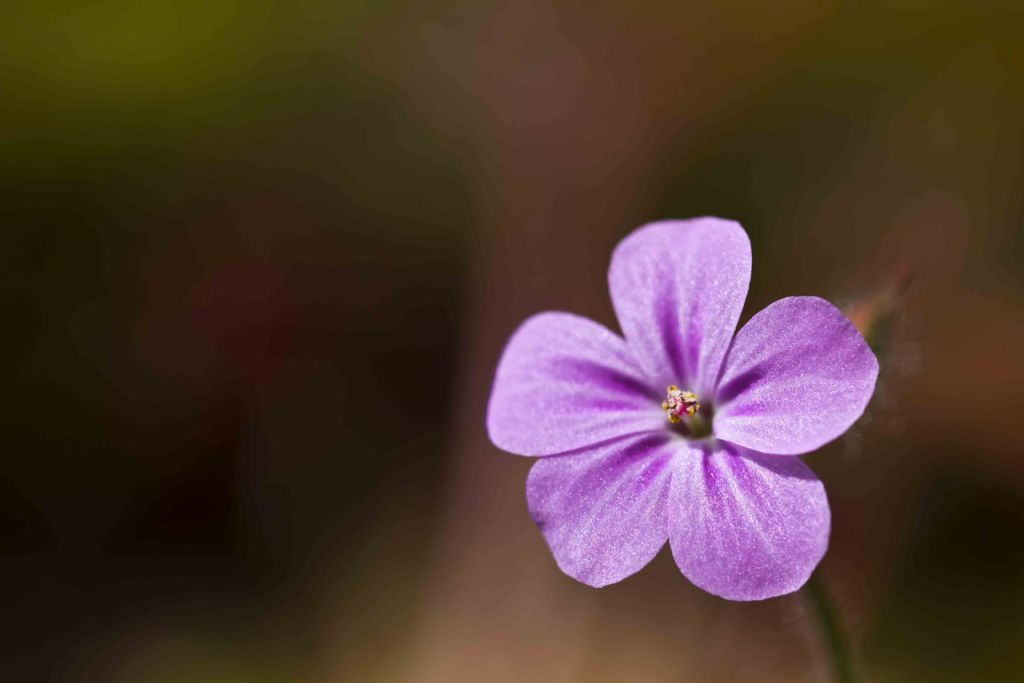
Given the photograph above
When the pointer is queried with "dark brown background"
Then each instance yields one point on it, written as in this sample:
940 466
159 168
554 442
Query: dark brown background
258 261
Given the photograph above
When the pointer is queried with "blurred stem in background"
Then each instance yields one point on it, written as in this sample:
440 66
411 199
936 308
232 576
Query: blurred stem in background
874 316
830 623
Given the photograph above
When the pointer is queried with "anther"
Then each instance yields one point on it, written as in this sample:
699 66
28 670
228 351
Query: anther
680 403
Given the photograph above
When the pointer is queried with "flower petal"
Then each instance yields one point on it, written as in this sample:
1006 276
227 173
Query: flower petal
746 526
603 510
678 288
797 376
565 382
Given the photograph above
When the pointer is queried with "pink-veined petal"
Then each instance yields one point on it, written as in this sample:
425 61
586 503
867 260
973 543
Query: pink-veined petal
746 526
797 376
678 288
602 509
564 382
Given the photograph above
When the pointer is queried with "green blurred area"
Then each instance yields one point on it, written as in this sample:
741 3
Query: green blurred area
257 261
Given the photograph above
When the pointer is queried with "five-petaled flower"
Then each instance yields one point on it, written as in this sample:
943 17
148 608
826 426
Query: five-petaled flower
708 464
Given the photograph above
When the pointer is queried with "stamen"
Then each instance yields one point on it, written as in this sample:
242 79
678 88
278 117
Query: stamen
680 403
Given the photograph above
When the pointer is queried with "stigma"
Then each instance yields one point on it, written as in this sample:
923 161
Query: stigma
679 403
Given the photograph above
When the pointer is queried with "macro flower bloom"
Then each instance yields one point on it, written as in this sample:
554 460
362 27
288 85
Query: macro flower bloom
681 431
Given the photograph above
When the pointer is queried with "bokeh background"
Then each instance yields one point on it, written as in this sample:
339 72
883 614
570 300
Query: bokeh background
258 260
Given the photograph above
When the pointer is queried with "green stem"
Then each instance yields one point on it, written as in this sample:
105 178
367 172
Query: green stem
829 620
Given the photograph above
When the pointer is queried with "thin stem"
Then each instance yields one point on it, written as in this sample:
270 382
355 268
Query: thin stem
832 631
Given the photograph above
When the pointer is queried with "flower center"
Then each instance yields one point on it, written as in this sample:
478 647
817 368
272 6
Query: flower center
682 408
679 403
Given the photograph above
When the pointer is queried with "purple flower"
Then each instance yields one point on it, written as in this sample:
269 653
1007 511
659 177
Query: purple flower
682 432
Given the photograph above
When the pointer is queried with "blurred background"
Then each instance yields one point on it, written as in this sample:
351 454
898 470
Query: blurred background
258 260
